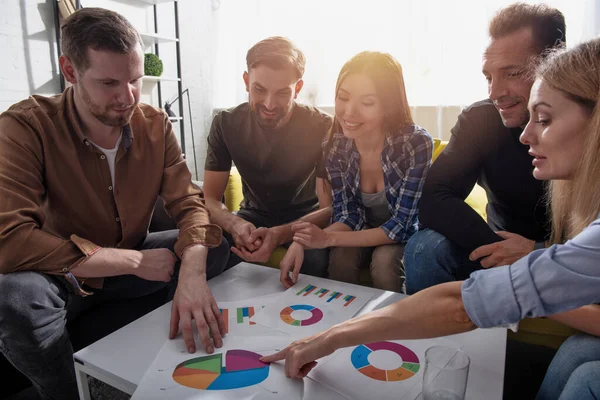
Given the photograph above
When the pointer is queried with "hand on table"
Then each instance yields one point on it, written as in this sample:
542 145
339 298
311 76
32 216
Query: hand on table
292 261
505 252
194 301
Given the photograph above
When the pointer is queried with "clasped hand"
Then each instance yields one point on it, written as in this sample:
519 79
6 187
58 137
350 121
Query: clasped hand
253 244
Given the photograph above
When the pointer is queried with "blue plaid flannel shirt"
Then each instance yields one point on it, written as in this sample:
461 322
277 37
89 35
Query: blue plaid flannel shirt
405 159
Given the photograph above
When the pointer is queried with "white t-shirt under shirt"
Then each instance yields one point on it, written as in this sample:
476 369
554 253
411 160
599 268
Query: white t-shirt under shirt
111 155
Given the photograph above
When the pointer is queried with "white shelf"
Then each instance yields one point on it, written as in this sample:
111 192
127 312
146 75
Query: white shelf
151 39
175 119
148 78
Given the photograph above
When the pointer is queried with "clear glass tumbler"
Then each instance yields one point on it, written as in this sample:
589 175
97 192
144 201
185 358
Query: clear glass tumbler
446 372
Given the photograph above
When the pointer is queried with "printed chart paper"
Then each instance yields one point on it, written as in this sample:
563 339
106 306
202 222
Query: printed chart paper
313 305
237 316
392 369
231 372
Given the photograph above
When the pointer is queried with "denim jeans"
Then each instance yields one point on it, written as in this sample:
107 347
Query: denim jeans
574 373
430 259
35 309
315 260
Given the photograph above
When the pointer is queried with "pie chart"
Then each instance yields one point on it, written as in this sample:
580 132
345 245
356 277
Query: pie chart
286 315
242 368
410 361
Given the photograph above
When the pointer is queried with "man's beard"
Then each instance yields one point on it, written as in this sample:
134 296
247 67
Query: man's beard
280 118
103 115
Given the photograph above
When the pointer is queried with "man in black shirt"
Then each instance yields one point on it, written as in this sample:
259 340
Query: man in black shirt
275 143
485 149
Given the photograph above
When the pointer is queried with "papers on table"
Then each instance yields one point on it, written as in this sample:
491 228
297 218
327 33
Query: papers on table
231 372
391 369
261 326
238 317
312 306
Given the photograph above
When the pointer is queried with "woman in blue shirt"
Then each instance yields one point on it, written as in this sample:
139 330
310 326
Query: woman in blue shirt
564 138
376 160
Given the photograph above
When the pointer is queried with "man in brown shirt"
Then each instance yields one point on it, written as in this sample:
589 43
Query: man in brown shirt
79 176
275 143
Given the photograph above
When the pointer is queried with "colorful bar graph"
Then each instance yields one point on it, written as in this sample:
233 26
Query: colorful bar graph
225 314
333 296
321 292
349 299
245 312
307 290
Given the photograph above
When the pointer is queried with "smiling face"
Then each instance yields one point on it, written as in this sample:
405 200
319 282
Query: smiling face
506 69
110 87
555 133
358 109
271 94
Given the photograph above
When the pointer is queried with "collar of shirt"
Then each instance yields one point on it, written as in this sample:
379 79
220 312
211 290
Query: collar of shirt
75 121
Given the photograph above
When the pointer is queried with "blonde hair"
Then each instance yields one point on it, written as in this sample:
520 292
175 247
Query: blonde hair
575 203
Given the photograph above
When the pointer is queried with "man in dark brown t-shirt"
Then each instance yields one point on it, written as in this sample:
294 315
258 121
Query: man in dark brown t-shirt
275 144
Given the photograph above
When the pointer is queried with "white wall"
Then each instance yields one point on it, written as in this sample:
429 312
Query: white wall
198 31
28 62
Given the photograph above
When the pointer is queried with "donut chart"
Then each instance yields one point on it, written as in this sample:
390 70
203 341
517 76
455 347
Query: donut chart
242 368
286 315
360 360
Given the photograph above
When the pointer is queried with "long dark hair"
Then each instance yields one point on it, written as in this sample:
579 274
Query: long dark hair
386 74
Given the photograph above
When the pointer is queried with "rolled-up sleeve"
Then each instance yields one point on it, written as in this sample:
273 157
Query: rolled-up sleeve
546 282
184 201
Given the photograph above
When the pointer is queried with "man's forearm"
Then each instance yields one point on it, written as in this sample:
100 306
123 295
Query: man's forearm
193 261
320 218
220 215
108 262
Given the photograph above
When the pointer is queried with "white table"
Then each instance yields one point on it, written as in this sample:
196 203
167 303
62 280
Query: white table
121 359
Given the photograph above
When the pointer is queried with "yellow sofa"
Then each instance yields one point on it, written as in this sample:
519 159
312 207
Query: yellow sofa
539 331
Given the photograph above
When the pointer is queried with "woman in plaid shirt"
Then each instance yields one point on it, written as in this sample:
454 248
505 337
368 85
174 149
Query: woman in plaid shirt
375 160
